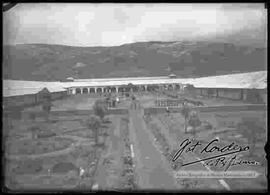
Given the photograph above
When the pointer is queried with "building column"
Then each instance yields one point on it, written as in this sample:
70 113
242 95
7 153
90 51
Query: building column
116 89
73 91
242 94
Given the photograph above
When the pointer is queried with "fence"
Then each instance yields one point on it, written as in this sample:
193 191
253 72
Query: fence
176 103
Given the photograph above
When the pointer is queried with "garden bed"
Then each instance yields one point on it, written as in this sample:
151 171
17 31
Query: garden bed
163 144
128 177
64 167
36 146
81 133
28 167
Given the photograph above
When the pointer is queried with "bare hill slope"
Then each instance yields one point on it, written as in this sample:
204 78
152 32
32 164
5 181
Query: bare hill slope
186 59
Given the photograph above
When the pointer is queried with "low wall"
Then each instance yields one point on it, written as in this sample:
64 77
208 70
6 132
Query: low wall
153 110
28 100
230 93
26 114
233 94
210 108
18 101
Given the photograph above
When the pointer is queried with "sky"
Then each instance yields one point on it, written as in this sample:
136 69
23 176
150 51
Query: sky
104 24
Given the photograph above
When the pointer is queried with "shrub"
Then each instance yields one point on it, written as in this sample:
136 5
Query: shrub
185 111
251 129
94 124
127 160
208 126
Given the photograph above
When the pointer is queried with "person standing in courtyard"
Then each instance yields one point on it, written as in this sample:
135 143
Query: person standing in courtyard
167 110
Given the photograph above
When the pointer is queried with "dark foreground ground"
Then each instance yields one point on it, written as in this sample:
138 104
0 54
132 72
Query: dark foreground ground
131 154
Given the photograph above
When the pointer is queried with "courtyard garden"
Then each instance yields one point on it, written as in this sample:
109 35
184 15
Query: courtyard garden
95 151
242 128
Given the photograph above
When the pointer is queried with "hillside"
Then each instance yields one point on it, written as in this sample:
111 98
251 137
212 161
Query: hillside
186 59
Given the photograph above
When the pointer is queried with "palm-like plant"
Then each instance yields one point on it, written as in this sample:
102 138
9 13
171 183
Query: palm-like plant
94 123
130 86
185 111
100 109
194 122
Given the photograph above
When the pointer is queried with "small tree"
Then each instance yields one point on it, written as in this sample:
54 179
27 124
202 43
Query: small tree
251 130
34 131
94 123
32 117
100 109
189 88
46 107
194 122
185 111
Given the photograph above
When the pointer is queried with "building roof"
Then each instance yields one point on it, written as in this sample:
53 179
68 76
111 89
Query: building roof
172 75
44 91
120 79
17 87
250 80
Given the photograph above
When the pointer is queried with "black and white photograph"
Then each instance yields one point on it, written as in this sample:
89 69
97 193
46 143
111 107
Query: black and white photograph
134 97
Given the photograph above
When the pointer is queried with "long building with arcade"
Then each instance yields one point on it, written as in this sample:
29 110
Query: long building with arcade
233 86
